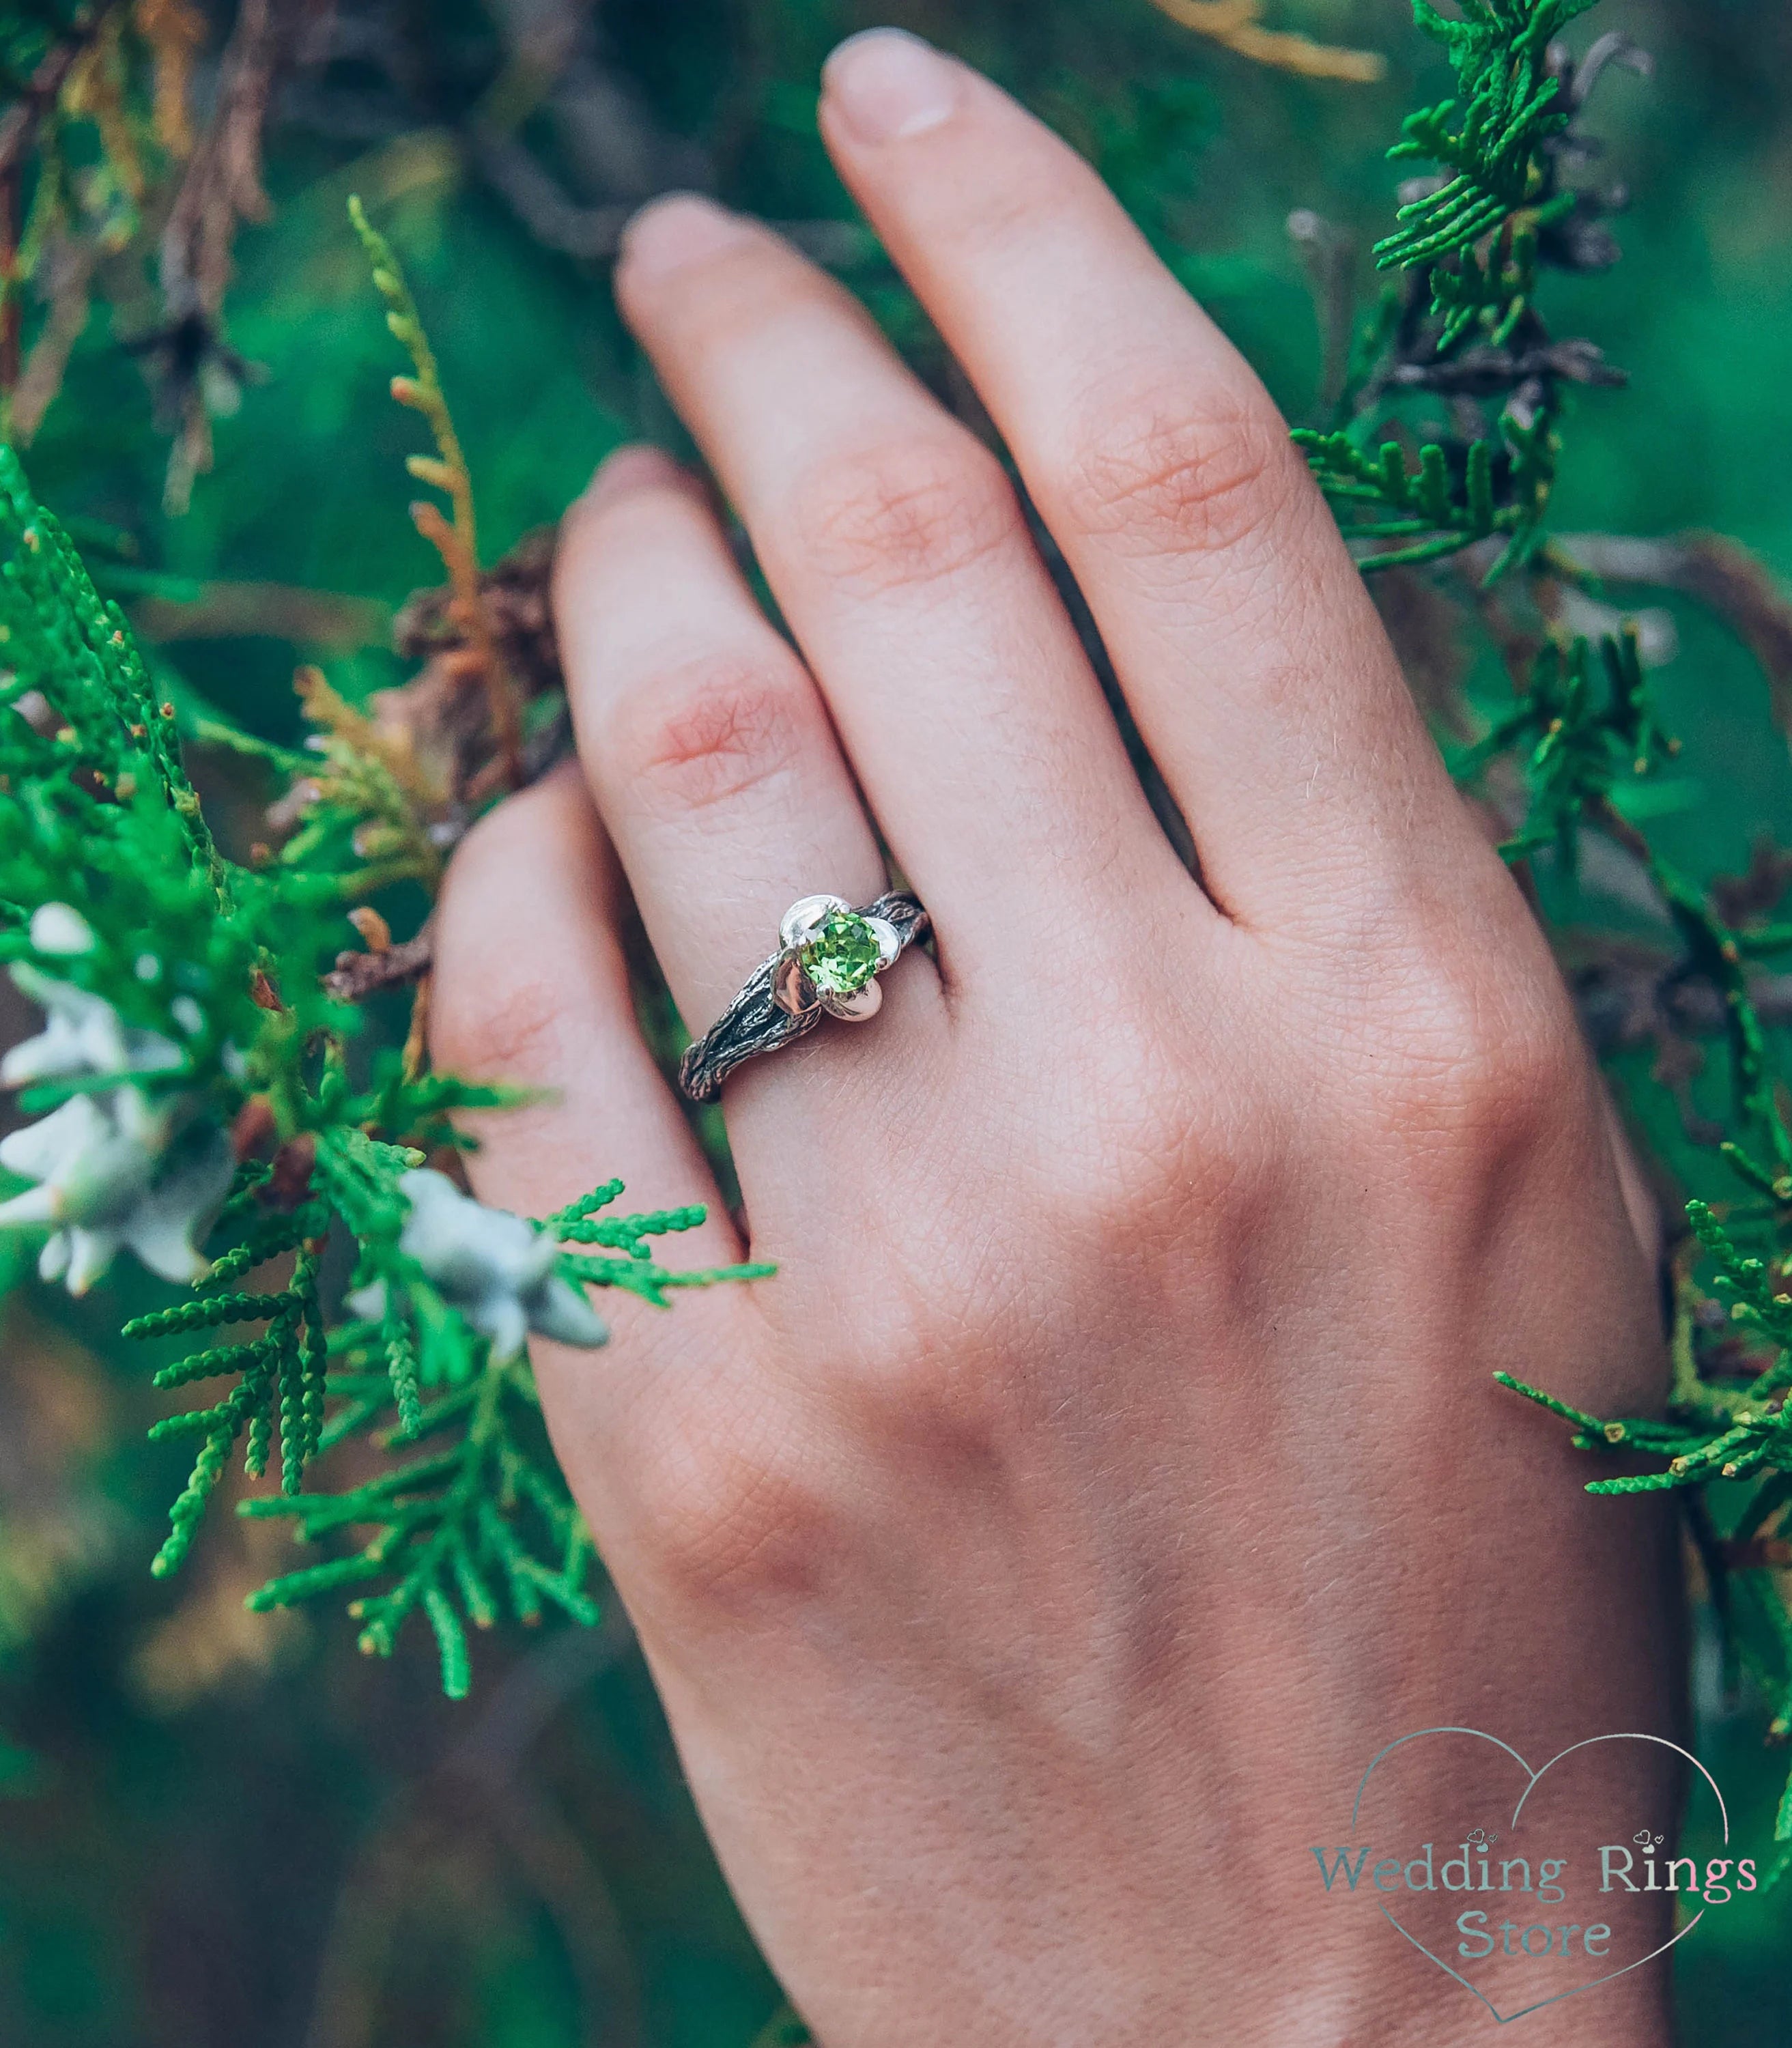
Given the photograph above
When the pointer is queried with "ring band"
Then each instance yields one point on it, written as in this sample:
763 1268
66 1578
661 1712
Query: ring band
828 958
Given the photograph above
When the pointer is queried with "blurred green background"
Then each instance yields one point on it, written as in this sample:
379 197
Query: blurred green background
223 1832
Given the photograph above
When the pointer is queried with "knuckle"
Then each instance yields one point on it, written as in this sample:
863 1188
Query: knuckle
1140 1144
1169 1173
1178 472
1477 1060
918 1383
904 514
725 1527
710 730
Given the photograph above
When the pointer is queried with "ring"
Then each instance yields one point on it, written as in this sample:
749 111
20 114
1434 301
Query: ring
828 958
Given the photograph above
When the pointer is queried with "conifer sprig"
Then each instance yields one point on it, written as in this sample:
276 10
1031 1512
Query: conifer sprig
1581 750
456 541
1492 136
1461 323
485 1522
198 1107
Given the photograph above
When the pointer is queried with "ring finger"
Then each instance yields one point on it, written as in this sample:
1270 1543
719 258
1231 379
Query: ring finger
707 746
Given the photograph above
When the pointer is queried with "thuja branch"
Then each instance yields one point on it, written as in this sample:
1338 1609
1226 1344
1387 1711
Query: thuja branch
1492 138
1578 749
1461 323
455 540
196 1107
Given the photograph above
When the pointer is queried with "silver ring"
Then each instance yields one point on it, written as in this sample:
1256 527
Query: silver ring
828 958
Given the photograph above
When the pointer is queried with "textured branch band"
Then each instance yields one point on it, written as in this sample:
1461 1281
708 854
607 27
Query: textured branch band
781 1002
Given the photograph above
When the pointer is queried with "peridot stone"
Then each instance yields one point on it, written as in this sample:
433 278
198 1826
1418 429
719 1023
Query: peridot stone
843 955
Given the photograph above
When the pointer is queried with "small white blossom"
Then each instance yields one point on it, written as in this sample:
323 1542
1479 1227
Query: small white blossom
57 929
82 1035
114 1171
497 1269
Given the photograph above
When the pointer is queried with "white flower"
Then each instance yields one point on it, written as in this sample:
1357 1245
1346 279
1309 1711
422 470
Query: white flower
82 1035
114 1171
497 1269
58 928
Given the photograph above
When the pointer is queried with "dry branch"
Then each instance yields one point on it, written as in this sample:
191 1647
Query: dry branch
1237 25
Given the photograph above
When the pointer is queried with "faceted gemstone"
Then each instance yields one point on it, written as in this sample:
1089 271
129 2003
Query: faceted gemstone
843 955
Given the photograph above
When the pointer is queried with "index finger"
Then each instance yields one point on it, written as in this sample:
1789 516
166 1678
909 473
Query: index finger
1249 651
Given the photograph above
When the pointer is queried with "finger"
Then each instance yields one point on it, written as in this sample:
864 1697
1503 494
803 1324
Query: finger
707 746
898 552
1247 648
530 986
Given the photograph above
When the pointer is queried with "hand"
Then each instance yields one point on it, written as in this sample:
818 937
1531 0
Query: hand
1113 1466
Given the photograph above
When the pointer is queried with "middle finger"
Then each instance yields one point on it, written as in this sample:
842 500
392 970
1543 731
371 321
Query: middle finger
898 551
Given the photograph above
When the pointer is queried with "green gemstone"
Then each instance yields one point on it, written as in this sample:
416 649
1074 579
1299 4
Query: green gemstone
843 955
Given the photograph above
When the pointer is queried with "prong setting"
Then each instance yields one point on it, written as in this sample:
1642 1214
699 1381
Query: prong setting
888 939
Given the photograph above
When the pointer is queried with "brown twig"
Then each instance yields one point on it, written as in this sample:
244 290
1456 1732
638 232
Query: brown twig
514 598
20 121
455 539
221 189
417 1038
19 126
176 31
73 265
357 975
594 234
223 185
1237 25
453 542
273 611
1718 573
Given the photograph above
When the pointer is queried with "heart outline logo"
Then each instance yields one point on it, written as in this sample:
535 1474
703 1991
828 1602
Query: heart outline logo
1534 1778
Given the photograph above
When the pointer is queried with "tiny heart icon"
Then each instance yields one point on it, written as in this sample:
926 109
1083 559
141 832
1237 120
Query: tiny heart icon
1529 1884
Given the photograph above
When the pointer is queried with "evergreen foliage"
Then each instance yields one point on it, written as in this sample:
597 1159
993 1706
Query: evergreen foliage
194 1086
1462 319
1583 739
1511 107
226 1082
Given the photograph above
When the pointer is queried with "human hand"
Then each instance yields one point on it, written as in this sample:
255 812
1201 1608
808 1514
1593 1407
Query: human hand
1113 1466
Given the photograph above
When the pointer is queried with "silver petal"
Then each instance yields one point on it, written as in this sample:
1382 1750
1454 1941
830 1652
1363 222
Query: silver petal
804 917
862 1003
791 989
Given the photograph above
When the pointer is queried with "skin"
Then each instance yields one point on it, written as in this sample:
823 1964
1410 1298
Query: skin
1113 1466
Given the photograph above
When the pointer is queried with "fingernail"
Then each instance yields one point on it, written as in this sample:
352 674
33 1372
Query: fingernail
887 85
630 467
681 228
